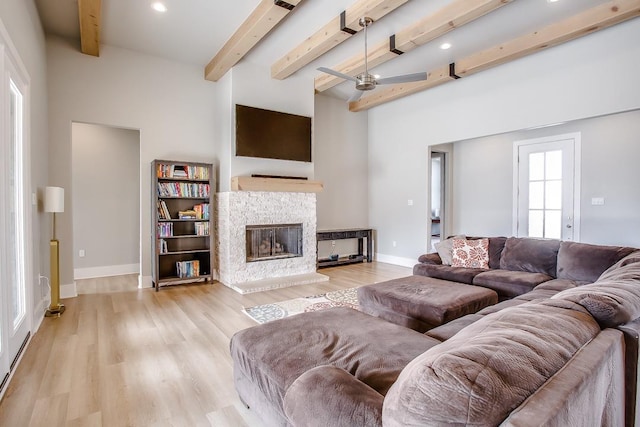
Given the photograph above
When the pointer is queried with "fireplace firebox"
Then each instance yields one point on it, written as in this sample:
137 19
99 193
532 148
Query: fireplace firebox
279 241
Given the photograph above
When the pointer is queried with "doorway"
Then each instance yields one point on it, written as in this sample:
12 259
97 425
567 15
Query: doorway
438 222
546 187
106 200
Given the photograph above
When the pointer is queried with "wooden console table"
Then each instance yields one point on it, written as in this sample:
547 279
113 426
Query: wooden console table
351 233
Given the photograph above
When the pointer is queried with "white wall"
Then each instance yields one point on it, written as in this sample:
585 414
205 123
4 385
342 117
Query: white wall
483 195
105 200
21 21
253 86
594 75
340 153
171 104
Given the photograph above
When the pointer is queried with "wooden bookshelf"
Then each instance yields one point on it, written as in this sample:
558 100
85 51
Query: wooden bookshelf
182 212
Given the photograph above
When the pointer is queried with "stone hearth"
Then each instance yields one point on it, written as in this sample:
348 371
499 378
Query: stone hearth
239 209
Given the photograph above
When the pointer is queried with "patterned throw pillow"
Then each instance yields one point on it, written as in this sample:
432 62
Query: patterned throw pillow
470 253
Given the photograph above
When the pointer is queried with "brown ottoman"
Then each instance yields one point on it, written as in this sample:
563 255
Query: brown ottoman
422 303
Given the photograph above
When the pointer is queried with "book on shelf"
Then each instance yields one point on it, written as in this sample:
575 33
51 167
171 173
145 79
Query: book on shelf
186 269
202 228
163 211
183 189
202 210
163 247
189 214
165 229
200 173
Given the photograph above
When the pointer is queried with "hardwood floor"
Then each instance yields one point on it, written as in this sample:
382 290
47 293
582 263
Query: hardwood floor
121 356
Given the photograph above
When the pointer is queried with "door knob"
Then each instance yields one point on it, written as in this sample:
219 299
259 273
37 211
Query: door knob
568 225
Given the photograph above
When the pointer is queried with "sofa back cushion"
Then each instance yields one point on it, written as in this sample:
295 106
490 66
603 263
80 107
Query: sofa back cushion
490 367
615 298
531 255
584 262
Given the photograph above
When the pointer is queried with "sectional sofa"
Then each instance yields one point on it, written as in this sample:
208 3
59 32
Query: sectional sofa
558 346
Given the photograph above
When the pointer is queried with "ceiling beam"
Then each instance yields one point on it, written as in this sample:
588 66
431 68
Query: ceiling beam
590 21
89 12
448 18
331 35
261 21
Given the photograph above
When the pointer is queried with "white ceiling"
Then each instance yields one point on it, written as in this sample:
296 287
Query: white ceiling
192 31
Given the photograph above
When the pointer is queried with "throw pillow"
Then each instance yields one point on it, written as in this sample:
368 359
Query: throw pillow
445 249
470 253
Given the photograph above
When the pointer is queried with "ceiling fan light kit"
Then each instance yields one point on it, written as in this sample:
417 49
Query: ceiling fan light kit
365 81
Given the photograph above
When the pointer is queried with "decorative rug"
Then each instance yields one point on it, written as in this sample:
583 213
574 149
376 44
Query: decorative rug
268 312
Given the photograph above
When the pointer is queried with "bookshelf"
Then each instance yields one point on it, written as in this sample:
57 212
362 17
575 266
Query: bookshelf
182 230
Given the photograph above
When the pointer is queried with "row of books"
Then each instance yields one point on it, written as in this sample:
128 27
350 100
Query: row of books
188 268
165 229
202 228
163 211
200 211
183 189
182 171
163 246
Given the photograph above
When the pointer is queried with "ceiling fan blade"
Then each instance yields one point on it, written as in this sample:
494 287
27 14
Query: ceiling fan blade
357 95
406 78
337 74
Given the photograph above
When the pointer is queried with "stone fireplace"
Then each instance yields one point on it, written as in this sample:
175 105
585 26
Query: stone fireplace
261 218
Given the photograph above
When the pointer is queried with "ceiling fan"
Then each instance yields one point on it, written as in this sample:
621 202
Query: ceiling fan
365 81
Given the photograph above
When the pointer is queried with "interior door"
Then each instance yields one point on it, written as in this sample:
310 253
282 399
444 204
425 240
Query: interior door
547 180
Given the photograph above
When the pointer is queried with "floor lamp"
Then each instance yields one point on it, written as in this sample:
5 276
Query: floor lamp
54 203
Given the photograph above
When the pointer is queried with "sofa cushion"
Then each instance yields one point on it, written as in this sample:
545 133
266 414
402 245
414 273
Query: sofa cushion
446 272
613 272
470 379
537 294
446 331
530 255
432 258
584 262
272 355
560 284
470 253
500 306
613 300
508 283
445 249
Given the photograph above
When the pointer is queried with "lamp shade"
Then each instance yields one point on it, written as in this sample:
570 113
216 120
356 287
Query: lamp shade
54 199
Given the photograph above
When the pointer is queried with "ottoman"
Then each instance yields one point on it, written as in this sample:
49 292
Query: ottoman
422 303
268 358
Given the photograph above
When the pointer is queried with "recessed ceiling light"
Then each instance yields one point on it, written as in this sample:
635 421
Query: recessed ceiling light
552 1
445 46
159 7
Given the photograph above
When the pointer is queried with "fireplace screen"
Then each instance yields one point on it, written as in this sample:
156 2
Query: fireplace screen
266 242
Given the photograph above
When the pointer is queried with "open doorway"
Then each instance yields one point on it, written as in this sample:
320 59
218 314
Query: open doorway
438 214
105 201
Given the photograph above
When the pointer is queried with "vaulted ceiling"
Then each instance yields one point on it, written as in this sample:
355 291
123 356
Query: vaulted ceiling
298 36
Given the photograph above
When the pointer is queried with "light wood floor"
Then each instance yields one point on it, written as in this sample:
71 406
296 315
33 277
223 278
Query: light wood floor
120 356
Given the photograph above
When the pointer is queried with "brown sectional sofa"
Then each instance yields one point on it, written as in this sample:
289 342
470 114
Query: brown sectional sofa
556 350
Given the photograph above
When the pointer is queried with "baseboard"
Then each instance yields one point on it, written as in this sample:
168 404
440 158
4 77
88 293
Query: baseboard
68 291
396 260
105 271
38 315
144 282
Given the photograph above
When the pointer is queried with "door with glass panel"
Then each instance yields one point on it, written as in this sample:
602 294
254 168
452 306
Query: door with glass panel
546 202
14 329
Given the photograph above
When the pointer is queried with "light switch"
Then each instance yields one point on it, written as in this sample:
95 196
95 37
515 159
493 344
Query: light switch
410 202
597 201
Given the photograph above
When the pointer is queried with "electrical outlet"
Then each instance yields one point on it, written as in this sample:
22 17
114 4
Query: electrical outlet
409 202
81 253
333 243
394 243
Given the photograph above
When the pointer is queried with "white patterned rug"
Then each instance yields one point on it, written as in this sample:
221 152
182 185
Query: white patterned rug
268 312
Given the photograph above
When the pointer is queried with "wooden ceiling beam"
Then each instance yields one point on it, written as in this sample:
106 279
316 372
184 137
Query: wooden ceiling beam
261 21
331 35
452 16
89 12
590 21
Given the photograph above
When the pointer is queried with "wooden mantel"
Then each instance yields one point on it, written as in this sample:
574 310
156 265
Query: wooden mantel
291 185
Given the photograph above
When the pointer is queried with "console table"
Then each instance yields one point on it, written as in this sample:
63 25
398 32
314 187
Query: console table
351 233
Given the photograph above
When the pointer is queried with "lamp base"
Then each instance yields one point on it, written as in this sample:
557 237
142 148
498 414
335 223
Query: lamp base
55 311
